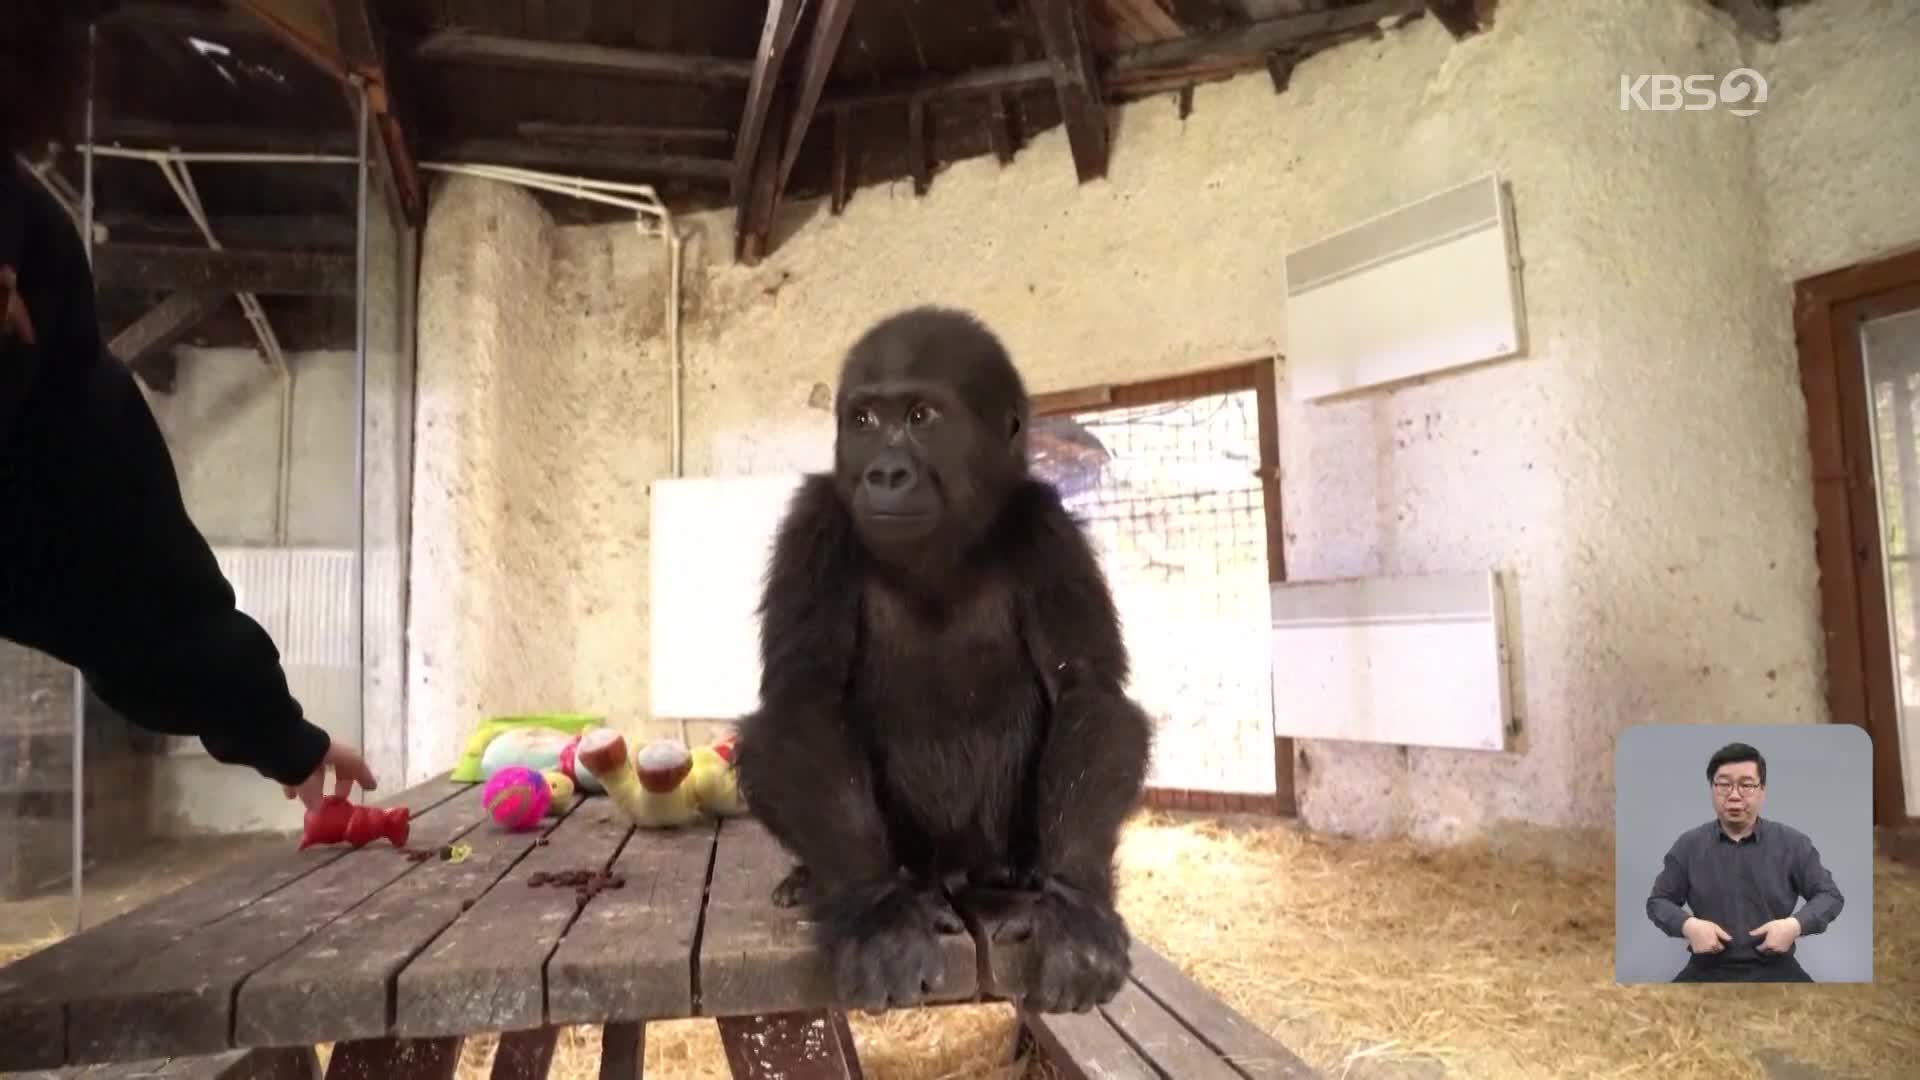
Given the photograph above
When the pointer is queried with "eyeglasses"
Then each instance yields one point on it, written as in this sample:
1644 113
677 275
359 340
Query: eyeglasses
1747 787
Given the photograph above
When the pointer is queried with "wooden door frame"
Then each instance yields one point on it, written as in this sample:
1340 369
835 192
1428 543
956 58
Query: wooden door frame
1827 311
1258 376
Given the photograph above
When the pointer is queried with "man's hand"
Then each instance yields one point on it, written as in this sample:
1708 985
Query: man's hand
349 768
14 320
1704 936
1779 934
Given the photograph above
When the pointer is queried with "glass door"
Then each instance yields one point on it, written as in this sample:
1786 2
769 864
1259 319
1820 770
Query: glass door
1890 352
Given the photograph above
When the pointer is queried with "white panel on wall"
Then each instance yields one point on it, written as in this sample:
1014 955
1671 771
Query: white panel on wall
1431 286
710 539
1406 661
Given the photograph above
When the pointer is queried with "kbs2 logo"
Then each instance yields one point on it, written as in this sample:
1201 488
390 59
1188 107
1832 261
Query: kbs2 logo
1740 91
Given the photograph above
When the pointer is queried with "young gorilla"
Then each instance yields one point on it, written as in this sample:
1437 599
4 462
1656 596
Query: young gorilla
941 699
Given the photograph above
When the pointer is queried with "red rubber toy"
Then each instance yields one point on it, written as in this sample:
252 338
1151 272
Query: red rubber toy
336 821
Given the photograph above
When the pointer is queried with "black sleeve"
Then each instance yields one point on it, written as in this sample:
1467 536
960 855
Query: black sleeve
100 565
1666 904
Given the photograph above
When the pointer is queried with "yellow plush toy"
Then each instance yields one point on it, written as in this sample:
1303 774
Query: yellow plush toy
715 786
650 788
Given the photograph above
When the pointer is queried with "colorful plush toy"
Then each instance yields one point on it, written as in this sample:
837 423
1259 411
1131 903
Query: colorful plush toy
649 787
518 797
715 786
471 768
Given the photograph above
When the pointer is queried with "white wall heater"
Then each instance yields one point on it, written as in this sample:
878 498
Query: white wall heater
703 610
1406 661
1428 287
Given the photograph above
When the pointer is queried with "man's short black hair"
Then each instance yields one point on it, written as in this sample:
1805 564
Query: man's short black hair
1734 753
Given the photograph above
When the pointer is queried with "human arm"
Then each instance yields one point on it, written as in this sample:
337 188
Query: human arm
1666 904
1811 880
100 564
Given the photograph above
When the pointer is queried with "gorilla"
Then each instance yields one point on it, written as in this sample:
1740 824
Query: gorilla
941 706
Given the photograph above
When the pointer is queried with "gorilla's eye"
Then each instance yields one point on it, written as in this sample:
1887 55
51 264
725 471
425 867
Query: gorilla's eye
864 418
922 414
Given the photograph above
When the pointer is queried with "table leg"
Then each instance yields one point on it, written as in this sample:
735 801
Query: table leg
525 1055
395 1059
812 1045
623 1051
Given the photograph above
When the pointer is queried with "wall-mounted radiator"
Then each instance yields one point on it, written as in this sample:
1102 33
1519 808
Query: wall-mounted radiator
1431 286
1410 661
710 538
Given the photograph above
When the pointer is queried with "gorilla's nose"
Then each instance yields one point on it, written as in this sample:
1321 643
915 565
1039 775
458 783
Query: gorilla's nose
890 475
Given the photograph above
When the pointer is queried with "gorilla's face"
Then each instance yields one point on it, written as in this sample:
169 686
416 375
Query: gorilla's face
932 432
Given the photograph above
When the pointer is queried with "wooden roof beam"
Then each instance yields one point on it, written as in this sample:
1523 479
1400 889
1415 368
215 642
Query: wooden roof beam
1254 42
829 27
756 160
144 345
1063 30
537 154
364 45
463 47
164 267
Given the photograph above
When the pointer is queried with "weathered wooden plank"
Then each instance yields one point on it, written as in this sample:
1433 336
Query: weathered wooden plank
533 154
339 984
623 1051
487 971
758 958
1162 1039
179 1000
524 1055
278 1063
629 955
165 324
395 1059
161 267
35 990
1085 1046
841 149
1253 1052
813 1045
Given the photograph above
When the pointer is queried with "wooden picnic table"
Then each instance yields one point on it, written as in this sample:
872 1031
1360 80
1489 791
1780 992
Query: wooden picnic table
396 960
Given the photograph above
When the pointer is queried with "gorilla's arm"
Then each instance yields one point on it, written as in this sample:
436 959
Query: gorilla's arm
1093 762
799 766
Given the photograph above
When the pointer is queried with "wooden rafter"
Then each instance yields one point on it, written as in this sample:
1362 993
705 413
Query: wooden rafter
362 40
343 38
165 324
756 159
460 46
829 27
1063 30
539 154
164 267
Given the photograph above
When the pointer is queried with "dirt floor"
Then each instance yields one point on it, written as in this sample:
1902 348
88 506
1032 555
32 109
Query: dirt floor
1378 959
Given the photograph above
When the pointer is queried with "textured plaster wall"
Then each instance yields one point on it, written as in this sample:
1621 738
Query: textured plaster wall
1641 476
1839 141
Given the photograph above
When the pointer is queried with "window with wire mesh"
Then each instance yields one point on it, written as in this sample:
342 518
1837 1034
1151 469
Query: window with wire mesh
1170 495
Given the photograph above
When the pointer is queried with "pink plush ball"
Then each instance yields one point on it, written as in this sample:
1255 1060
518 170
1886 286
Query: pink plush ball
517 797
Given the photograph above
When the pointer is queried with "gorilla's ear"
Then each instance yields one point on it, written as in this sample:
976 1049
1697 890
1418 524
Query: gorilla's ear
1013 424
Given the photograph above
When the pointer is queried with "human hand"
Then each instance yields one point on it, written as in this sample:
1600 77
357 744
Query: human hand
14 320
349 768
1778 934
1704 936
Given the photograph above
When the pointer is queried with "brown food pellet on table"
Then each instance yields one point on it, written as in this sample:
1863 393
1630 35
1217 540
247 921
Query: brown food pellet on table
539 878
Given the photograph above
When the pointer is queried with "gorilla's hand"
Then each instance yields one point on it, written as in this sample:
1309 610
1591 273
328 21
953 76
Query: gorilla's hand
885 946
1078 952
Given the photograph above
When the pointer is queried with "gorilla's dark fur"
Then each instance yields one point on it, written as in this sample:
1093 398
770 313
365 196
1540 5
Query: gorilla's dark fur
941 703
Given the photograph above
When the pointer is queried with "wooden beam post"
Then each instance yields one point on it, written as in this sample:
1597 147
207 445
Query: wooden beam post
1462 18
463 47
165 324
1063 30
829 27
841 151
753 213
362 40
